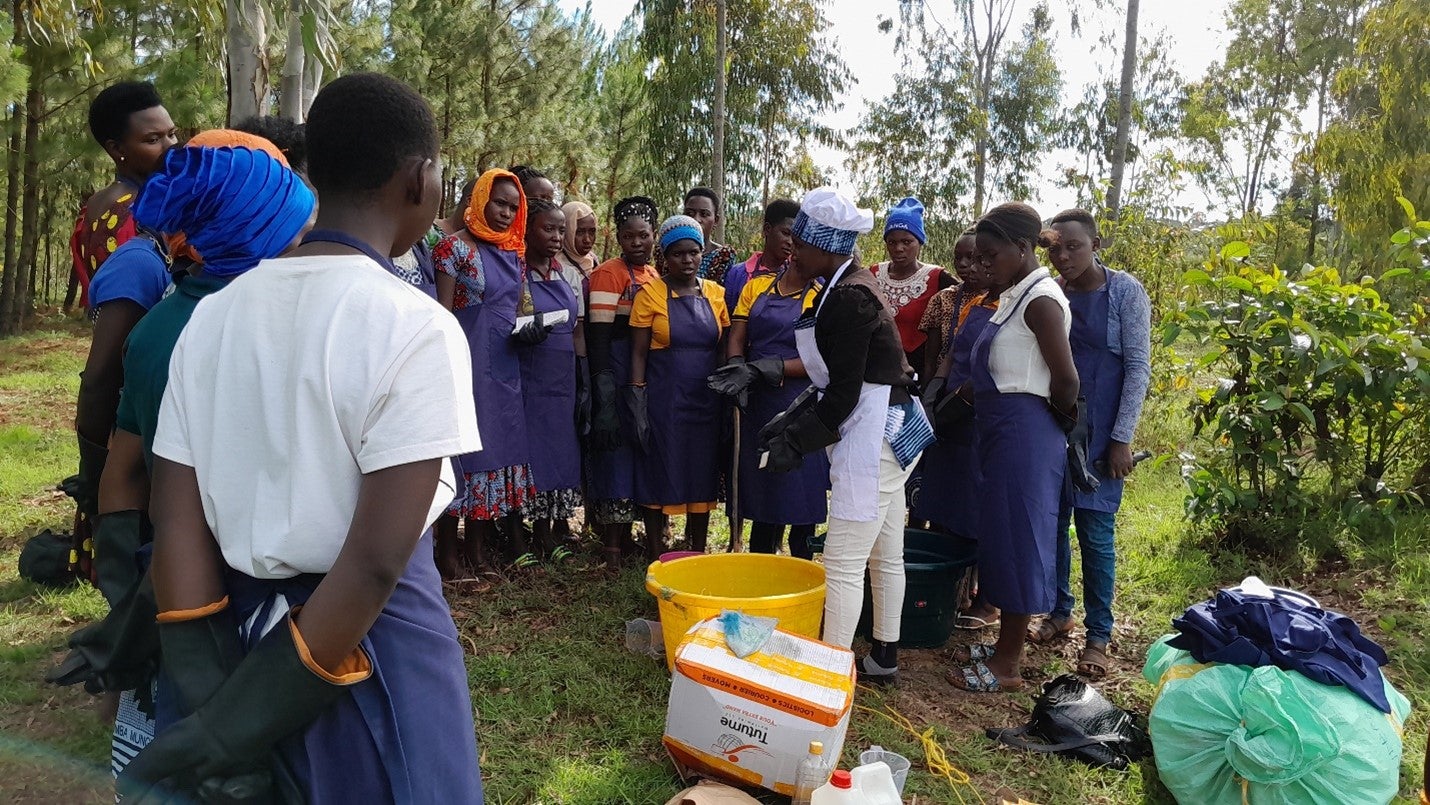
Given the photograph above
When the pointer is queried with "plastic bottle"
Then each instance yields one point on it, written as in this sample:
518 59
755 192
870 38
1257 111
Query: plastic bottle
813 772
838 791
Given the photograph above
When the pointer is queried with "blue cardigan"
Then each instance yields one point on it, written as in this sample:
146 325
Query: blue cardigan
1129 336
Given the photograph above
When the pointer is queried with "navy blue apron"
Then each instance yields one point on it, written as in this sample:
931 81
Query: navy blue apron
405 734
682 464
1022 457
784 498
1100 373
611 473
548 387
496 372
952 494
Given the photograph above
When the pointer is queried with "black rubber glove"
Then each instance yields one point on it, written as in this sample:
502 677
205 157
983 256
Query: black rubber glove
117 538
733 380
804 435
91 466
199 655
1079 433
583 397
226 743
769 370
118 653
634 398
780 455
534 331
605 419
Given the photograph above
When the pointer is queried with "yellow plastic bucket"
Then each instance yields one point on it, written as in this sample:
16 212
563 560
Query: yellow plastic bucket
692 589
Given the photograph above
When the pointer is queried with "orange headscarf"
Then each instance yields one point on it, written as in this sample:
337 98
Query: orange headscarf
514 238
221 138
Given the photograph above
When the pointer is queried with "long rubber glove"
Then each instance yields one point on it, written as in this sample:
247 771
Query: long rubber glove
605 418
275 692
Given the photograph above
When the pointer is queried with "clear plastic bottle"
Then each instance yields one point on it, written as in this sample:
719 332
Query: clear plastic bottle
813 772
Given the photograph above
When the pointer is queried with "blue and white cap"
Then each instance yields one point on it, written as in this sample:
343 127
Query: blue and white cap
829 220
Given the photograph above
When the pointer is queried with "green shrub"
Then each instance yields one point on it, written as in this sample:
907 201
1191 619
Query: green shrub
1320 405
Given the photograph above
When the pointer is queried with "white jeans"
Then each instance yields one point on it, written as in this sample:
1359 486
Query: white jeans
877 544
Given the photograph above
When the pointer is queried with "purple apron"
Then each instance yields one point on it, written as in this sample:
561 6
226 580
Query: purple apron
682 465
405 734
1022 456
952 493
496 371
1100 372
610 474
548 386
784 498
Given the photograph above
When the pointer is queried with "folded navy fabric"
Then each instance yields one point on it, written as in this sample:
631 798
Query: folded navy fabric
1237 628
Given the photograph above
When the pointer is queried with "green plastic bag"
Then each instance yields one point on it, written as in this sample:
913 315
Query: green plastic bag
1264 736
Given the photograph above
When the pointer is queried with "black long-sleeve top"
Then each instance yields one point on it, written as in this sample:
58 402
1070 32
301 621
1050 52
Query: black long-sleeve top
857 339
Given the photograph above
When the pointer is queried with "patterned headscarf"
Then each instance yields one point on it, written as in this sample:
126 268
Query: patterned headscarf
514 238
235 205
829 220
575 211
636 207
179 245
680 227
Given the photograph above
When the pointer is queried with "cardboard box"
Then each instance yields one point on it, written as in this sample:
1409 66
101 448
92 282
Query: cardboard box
750 720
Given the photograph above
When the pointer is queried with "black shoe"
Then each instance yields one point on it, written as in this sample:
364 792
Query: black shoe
872 673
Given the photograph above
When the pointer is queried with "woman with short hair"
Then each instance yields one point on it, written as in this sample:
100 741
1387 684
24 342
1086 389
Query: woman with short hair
1024 390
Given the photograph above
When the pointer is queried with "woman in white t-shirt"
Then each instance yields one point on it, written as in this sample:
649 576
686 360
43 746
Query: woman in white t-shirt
301 455
1024 391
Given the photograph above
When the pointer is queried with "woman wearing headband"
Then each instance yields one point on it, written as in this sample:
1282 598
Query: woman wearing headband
610 486
677 326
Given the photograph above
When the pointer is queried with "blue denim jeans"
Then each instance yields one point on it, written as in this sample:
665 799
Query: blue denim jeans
1095 532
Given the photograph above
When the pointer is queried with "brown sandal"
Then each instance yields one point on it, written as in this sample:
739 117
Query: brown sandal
1050 629
1093 661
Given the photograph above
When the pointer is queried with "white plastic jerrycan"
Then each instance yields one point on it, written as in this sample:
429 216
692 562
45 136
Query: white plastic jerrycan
871 784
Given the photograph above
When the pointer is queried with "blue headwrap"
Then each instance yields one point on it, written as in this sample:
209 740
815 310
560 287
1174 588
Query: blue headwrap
234 205
907 215
680 227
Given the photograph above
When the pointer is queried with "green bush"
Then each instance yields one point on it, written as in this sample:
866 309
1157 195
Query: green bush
1320 405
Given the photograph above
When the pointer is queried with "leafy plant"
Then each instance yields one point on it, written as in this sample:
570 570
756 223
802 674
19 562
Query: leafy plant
1321 396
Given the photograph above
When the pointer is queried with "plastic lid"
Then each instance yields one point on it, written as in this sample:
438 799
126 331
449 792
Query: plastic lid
816 748
841 779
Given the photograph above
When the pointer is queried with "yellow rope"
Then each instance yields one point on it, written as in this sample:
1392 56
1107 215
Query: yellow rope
934 756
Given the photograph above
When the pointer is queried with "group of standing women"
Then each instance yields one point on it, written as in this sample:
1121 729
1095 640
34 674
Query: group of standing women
614 384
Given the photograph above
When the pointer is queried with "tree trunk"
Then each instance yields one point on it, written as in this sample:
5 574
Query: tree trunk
22 303
290 95
313 63
1124 111
717 159
247 64
312 81
17 282
12 189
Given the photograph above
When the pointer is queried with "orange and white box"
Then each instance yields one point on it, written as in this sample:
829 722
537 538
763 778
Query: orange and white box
750 720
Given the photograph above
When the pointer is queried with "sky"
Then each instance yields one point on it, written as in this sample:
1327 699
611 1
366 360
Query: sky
1195 27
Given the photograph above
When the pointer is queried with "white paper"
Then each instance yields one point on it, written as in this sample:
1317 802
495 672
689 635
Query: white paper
547 319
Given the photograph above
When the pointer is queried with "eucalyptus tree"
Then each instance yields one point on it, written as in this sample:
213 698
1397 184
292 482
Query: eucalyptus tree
784 73
975 108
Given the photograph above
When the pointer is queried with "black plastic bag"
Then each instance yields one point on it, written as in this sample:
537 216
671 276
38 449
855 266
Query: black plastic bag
45 559
1071 718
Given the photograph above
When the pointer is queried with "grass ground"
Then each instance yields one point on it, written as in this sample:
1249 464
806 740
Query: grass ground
566 715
